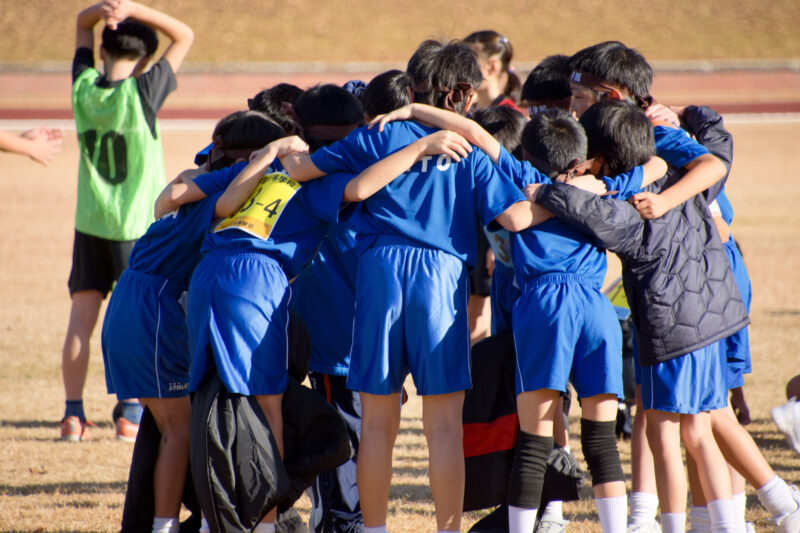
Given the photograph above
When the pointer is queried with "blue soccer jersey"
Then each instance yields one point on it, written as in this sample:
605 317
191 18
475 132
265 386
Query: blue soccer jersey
285 219
436 202
675 146
171 245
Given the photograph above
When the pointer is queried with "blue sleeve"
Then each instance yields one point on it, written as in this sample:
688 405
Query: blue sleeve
350 155
325 195
522 172
626 184
218 180
725 207
202 156
496 191
676 147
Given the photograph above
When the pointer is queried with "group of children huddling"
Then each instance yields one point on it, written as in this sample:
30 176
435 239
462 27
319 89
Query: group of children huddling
369 232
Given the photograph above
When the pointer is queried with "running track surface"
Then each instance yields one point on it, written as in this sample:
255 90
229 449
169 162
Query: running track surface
27 95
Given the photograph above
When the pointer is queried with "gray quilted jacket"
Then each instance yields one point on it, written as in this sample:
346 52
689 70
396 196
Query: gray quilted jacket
677 278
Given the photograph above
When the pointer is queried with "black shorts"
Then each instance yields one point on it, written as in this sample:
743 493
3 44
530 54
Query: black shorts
480 282
97 263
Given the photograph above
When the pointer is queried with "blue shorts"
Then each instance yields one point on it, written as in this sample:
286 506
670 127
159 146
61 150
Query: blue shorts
566 330
736 348
503 294
689 384
238 318
411 316
144 339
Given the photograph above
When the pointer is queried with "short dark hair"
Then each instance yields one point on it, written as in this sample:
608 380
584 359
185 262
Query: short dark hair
620 133
131 40
619 65
490 44
420 70
327 105
270 102
554 141
456 72
240 133
548 81
386 92
505 124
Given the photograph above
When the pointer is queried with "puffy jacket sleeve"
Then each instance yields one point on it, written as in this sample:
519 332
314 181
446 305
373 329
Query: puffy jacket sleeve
615 224
707 127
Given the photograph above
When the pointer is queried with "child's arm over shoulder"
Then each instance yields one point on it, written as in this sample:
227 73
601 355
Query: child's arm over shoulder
379 174
446 120
246 181
182 190
178 32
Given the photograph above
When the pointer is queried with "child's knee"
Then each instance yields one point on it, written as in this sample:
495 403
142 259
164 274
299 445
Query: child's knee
599 443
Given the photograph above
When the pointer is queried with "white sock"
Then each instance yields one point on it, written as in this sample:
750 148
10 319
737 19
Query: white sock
700 519
553 512
722 519
520 520
265 527
739 507
776 497
613 513
204 528
673 522
165 525
643 507
379 529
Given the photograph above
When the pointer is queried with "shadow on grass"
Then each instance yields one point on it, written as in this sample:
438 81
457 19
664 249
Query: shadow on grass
38 424
74 487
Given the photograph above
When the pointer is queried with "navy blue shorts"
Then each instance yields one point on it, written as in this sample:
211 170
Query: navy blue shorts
144 339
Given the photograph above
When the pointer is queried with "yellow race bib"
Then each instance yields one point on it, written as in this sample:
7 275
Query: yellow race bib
261 211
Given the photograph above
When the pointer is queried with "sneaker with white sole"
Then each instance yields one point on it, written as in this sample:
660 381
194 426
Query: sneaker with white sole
787 418
645 527
790 523
551 526
749 527
73 430
126 430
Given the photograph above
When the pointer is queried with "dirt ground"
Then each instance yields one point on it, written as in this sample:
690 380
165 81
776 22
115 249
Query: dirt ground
46 485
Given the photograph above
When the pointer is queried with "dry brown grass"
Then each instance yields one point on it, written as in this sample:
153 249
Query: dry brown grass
46 485
381 30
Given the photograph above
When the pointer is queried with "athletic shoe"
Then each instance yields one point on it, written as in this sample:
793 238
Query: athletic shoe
787 418
551 526
645 527
126 430
73 430
790 523
749 527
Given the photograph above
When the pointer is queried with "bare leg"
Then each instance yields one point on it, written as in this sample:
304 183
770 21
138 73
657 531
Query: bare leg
75 353
643 475
441 419
739 448
272 406
537 410
663 435
698 439
380 421
172 416
479 314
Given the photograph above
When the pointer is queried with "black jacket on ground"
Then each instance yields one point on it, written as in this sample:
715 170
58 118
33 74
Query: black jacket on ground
676 275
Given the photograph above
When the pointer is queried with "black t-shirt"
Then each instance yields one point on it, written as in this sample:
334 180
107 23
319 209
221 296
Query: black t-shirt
154 85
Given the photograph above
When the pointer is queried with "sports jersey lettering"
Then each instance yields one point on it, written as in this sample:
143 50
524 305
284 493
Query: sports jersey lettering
109 155
443 162
261 211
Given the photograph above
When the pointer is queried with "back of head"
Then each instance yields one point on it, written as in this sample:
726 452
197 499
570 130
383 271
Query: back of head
489 44
131 40
554 142
272 102
620 133
239 134
386 92
505 124
456 73
614 64
420 70
548 84
327 113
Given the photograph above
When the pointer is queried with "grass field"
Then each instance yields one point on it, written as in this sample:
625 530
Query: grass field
46 485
